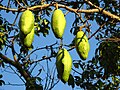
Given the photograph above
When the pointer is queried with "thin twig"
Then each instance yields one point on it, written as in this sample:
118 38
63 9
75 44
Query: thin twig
17 74
53 77
31 70
76 71
15 84
25 2
19 3
54 84
66 13
8 4
97 30
40 49
15 19
110 39
45 58
13 50
48 75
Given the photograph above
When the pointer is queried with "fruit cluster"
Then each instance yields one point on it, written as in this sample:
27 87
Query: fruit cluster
26 24
58 24
63 59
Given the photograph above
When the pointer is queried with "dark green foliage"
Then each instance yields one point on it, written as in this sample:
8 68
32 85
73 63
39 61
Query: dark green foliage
71 81
110 57
1 81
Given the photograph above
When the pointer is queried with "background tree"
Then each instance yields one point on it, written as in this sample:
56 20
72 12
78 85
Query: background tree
101 72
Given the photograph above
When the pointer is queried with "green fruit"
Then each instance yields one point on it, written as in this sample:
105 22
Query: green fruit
82 45
63 64
29 39
58 23
26 22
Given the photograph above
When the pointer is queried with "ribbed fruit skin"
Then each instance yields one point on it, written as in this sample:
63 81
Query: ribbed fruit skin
58 23
26 22
29 39
63 64
82 45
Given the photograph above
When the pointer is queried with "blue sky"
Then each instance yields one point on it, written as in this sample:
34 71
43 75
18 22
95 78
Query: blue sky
41 42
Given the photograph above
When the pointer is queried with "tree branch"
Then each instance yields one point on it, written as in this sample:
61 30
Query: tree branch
16 65
110 39
41 7
7 60
17 74
103 11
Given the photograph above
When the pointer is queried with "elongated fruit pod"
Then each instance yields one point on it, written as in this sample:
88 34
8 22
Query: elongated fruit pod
63 64
82 45
26 22
29 39
58 23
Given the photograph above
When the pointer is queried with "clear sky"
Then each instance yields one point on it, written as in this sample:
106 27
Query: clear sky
41 42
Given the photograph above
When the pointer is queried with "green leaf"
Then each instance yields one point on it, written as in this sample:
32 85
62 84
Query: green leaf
39 79
78 80
1 63
1 75
71 81
1 82
76 65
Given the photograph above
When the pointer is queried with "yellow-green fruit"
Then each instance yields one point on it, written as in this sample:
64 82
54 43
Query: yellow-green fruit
26 22
29 39
82 45
63 64
58 23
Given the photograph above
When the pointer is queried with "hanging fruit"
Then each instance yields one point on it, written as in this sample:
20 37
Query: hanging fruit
63 64
58 23
27 39
82 45
26 22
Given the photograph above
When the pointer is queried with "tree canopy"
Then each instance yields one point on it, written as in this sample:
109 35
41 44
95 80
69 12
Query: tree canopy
100 72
